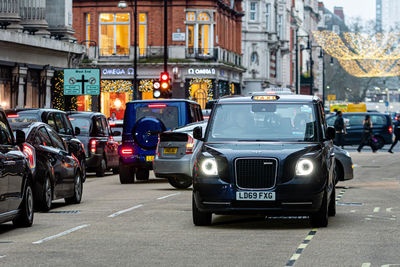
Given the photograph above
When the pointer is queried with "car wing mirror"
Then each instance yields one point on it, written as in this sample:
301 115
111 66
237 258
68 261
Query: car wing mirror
198 133
77 131
330 133
19 137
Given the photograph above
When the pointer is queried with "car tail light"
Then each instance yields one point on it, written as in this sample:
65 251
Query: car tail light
157 105
28 151
127 151
12 116
190 145
158 143
93 144
390 129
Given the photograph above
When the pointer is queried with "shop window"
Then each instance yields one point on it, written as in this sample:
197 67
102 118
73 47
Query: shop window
114 34
200 90
114 95
142 33
199 32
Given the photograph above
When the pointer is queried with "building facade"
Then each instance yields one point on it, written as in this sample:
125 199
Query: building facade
204 49
387 17
32 50
267 37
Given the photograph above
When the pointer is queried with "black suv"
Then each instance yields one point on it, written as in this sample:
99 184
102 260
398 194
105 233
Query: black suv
265 154
16 197
59 121
97 137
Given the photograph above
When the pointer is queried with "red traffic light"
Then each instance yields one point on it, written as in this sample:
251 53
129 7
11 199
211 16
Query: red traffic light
164 77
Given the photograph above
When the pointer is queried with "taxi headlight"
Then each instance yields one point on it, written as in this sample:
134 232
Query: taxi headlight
304 167
209 166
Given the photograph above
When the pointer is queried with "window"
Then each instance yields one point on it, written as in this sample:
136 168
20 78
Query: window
59 123
280 26
44 136
253 11
254 58
168 115
268 17
98 127
82 123
114 34
199 33
57 141
142 33
87 29
5 133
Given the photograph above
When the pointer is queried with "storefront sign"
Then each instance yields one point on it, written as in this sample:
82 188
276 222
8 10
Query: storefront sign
81 81
201 71
116 72
178 36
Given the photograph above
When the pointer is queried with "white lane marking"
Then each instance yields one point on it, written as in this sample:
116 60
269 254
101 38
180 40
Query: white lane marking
3 256
164 197
303 246
61 234
295 257
380 217
352 211
389 209
366 264
377 209
123 211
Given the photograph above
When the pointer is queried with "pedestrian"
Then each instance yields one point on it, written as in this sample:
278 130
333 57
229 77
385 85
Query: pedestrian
113 117
396 126
366 138
339 128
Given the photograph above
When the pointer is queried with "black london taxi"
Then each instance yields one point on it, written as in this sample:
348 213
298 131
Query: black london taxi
265 154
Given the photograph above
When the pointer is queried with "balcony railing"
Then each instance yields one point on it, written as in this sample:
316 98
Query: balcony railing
202 53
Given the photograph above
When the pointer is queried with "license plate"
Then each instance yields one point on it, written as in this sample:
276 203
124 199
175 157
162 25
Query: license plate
149 158
255 195
170 150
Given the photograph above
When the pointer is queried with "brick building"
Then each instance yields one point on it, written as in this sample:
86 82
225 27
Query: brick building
204 48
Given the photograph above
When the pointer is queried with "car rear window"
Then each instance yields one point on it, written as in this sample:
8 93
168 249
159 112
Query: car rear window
378 120
22 117
82 123
167 114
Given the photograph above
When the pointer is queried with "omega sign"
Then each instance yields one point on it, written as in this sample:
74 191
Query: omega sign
118 71
202 71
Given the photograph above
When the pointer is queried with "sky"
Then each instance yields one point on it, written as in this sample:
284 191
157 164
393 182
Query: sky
354 8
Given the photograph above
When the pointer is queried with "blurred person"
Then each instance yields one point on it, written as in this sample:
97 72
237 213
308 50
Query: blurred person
113 117
339 128
396 126
367 135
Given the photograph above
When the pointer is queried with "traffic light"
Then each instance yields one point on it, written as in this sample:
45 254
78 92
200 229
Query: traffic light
162 88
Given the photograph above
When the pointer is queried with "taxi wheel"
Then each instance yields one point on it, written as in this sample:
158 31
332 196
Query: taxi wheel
46 196
180 182
200 218
25 217
320 218
102 168
142 174
126 174
332 203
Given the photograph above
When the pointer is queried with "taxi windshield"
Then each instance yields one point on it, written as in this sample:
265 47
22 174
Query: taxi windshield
293 122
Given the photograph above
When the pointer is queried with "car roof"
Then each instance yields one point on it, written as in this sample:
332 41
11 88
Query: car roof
282 99
26 125
162 101
86 114
34 110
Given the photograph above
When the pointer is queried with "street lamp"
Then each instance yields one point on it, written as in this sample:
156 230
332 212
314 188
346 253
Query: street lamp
123 4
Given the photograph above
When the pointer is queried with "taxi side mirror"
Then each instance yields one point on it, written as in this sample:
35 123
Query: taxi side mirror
198 133
330 133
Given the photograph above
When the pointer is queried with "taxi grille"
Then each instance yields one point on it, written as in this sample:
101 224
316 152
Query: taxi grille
255 173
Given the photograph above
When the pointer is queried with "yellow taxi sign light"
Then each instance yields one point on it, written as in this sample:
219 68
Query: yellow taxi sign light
265 97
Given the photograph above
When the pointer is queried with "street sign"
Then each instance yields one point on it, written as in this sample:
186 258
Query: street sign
81 81
331 97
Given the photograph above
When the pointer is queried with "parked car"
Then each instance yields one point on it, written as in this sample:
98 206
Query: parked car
144 120
117 127
16 192
343 165
59 121
381 123
98 139
174 155
265 166
58 173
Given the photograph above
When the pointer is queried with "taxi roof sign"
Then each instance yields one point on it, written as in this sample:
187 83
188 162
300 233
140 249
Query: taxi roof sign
265 97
